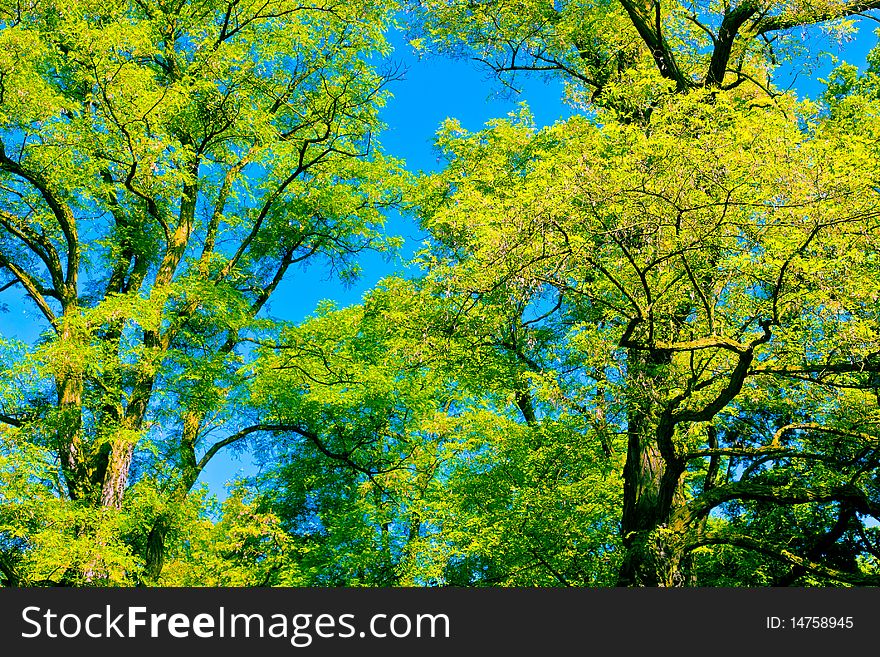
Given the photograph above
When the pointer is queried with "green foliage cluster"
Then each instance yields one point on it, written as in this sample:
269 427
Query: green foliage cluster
642 347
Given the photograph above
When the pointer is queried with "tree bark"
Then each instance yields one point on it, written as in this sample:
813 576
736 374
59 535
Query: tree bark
69 434
651 480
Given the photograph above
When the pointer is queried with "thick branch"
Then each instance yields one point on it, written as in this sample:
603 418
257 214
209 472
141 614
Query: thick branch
653 38
62 214
788 20
34 290
730 25
781 554
781 495
815 426
730 391
38 244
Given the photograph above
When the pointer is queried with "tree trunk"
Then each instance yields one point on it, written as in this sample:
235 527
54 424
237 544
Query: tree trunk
69 435
651 479
122 449
116 476
75 459
154 556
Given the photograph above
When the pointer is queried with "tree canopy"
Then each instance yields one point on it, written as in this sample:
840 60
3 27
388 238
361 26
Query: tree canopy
642 346
164 166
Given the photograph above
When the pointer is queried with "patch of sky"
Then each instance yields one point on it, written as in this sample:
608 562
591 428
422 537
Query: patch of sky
822 50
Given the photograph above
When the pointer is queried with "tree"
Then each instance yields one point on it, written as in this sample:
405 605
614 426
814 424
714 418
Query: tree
164 166
704 261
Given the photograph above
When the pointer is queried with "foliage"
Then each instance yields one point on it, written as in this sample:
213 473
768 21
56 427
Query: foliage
163 167
696 277
642 348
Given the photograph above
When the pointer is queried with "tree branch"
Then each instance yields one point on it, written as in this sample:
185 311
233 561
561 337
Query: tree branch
781 554
62 214
788 20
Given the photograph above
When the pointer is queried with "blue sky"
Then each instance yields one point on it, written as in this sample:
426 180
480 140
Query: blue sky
432 89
